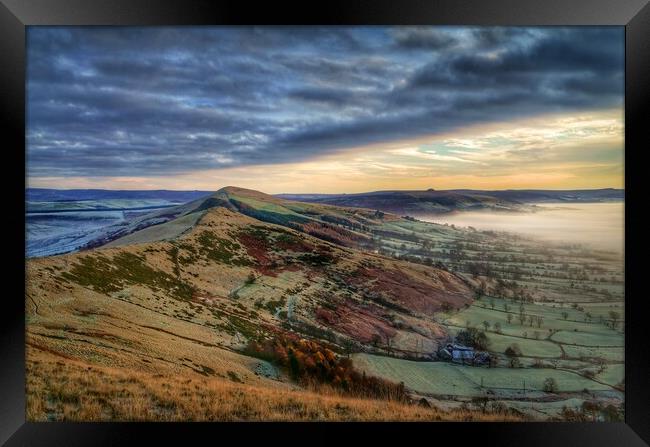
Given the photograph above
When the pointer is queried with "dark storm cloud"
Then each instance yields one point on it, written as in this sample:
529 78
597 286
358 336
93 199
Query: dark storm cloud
145 101
418 37
497 36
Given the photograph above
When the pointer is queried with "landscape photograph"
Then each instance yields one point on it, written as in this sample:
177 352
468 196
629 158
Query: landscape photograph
325 223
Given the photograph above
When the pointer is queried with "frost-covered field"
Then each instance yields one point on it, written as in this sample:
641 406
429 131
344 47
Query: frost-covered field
63 226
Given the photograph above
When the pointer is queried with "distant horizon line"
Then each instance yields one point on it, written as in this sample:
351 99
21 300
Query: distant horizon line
324 193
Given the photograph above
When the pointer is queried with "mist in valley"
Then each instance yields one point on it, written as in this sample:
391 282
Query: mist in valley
598 225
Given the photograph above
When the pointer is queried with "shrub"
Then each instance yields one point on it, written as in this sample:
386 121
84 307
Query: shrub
570 415
446 306
550 385
513 350
589 374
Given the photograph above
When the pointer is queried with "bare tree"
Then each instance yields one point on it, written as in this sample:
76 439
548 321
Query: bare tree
349 346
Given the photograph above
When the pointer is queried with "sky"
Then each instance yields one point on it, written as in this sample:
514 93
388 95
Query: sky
325 109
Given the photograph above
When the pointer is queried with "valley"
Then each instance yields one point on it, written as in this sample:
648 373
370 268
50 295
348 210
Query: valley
219 289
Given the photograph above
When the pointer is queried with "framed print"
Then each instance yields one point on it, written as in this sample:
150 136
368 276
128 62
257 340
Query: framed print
355 219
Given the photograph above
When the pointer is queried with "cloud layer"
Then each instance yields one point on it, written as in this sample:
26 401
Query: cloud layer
125 102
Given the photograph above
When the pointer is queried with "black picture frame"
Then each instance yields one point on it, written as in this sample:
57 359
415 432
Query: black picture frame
15 15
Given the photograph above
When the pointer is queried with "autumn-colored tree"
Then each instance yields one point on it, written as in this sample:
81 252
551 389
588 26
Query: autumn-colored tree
313 365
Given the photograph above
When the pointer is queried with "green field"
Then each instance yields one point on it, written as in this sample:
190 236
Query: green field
545 409
546 339
608 354
588 339
570 344
441 378
571 298
529 346
613 374
425 377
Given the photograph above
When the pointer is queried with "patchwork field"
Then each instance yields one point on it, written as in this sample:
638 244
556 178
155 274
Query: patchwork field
561 305
584 358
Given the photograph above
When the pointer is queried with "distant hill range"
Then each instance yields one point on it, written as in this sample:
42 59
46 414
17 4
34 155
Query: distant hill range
444 201
65 195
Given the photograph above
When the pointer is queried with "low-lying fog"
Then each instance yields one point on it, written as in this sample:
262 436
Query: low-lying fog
600 225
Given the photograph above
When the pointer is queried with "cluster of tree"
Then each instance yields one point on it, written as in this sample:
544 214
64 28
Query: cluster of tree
473 337
506 290
614 317
312 364
496 327
428 261
593 411
345 223
513 352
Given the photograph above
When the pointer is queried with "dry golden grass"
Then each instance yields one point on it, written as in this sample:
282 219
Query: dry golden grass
74 391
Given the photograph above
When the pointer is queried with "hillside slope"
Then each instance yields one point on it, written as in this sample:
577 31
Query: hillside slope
188 296
239 278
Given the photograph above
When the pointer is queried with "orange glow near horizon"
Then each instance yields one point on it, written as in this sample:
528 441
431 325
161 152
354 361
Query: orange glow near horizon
577 151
